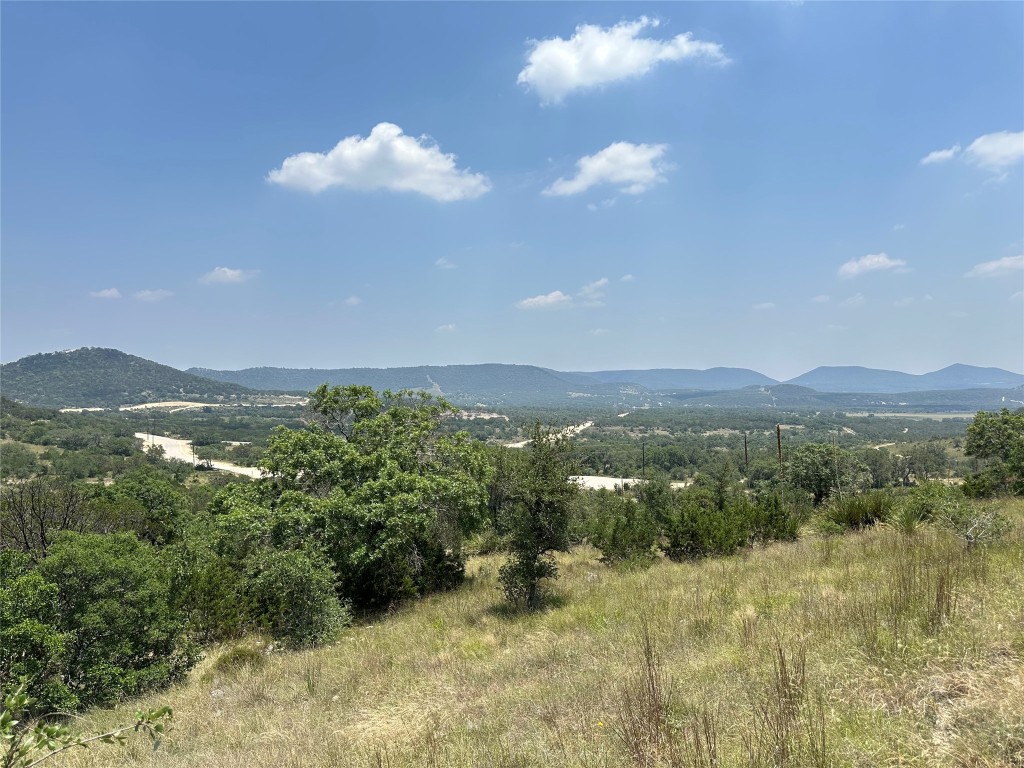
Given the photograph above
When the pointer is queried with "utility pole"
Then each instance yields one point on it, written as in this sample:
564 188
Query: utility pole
643 459
746 457
778 437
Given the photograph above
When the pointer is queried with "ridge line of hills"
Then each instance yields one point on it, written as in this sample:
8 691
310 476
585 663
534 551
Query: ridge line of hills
94 376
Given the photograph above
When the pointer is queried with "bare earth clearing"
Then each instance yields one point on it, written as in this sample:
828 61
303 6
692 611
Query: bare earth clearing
182 451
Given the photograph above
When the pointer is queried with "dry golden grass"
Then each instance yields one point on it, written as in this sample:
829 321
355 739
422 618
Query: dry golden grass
868 650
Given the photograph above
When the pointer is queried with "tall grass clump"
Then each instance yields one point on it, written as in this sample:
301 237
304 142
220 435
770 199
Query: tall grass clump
854 512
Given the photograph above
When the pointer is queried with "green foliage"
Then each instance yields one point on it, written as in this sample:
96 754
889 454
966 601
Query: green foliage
623 529
114 610
32 645
375 485
997 438
161 503
17 461
699 528
290 594
27 744
536 515
822 469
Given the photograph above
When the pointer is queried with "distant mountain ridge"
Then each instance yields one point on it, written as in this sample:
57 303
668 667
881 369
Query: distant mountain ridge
853 378
107 377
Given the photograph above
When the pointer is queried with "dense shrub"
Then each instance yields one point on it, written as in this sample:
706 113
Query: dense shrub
32 645
289 594
114 609
623 529
699 528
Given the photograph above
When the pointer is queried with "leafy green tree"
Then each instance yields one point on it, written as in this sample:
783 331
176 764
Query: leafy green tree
163 504
381 488
536 515
998 439
822 469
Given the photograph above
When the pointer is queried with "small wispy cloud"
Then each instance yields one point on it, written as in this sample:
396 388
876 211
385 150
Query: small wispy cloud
898 227
446 328
106 293
764 305
857 300
632 168
602 205
940 155
821 298
228 275
443 263
873 262
599 332
997 267
157 294
627 278
592 293
1018 296
552 300
353 301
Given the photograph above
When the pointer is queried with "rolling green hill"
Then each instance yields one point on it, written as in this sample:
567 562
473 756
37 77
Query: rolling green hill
95 377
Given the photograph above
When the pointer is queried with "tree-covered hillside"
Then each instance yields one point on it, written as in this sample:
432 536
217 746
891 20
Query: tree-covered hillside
93 377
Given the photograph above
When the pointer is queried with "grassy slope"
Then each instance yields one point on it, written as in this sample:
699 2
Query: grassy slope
451 681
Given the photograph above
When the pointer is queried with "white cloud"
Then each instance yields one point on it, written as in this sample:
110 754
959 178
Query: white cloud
595 55
353 301
873 262
940 155
1003 266
444 263
634 168
159 294
228 275
898 227
821 299
594 292
1018 296
627 279
764 305
106 293
546 301
447 328
996 151
906 301
602 205
599 332
857 300
386 159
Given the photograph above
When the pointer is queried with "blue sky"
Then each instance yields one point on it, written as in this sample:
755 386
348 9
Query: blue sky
579 186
